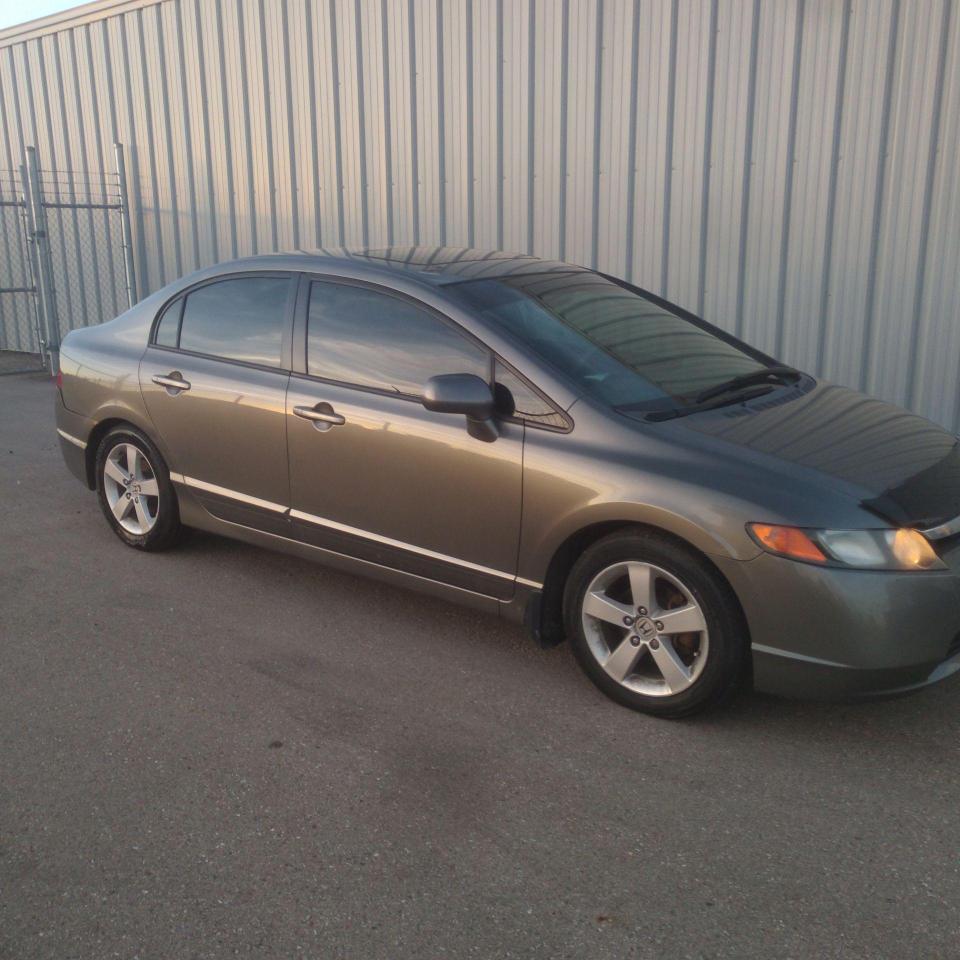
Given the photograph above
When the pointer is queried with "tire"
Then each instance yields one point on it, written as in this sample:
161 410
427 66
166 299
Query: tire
640 662
152 520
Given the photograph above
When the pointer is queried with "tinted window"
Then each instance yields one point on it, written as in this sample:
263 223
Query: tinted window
617 344
239 319
168 329
359 336
516 398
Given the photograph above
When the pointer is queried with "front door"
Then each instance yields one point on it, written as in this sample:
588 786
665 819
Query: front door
378 476
214 380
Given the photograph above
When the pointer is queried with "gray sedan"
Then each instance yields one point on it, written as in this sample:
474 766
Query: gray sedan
541 441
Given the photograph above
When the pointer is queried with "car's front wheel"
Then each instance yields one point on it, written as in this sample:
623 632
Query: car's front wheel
135 492
653 626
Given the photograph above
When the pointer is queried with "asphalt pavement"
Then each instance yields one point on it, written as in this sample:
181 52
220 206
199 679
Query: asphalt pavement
220 751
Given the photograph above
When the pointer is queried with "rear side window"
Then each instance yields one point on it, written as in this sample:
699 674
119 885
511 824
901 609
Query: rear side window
168 329
363 337
241 318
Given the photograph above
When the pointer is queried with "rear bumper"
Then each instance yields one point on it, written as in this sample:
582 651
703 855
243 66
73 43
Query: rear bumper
826 633
73 432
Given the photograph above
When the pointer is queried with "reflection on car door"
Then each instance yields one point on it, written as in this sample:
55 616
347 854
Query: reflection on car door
214 382
377 476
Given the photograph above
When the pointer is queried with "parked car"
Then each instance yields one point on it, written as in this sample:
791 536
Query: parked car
540 441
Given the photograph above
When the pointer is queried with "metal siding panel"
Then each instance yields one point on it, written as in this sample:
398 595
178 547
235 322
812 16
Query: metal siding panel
258 96
760 320
857 176
119 92
398 154
516 124
198 132
936 351
679 270
581 129
487 125
889 333
353 147
728 151
816 112
236 106
546 171
613 173
798 187
97 153
457 119
177 111
327 91
646 214
429 97
378 175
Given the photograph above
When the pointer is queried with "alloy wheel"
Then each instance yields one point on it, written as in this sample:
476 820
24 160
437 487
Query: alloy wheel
131 487
645 628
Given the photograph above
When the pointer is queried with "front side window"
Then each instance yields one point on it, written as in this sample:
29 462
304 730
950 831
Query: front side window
237 319
618 345
363 337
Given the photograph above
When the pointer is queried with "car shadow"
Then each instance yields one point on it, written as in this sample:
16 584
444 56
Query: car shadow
904 726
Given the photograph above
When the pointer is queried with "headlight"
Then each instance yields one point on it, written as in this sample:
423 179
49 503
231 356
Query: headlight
864 549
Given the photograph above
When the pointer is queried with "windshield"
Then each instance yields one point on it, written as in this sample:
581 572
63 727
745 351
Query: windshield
618 345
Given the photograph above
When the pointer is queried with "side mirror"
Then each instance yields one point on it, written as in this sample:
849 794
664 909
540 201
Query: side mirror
467 394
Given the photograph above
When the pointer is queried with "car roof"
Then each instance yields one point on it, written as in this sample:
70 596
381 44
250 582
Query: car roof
432 265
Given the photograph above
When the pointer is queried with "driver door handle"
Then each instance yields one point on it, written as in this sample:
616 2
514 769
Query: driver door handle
172 381
321 413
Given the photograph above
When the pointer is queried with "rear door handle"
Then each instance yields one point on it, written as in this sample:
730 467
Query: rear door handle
322 415
173 381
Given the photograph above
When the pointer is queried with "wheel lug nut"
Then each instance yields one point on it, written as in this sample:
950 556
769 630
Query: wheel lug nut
642 611
659 624
128 496
635 641
629 621
654 644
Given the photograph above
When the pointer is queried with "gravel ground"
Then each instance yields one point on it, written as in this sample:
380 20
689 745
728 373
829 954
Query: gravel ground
220 751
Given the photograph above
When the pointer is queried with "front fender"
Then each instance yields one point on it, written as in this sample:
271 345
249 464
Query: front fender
727 540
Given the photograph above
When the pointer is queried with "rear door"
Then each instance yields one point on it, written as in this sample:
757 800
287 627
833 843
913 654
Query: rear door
380 477
214 380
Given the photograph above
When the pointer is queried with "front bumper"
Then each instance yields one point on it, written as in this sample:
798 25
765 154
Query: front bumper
830 633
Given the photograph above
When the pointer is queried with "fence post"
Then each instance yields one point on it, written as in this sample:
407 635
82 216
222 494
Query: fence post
41 242
126 237
26 227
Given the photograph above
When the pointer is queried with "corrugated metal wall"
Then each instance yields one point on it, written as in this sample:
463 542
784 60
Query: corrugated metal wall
787 168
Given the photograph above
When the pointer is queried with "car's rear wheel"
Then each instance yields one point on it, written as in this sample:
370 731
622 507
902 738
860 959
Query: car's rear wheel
136 496
653 626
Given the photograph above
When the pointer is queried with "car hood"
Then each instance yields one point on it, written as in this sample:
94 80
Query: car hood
902 467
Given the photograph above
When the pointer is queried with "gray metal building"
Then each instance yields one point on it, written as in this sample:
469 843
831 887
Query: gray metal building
787 168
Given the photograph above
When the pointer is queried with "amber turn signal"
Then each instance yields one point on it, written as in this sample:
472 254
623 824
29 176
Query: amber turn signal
787 541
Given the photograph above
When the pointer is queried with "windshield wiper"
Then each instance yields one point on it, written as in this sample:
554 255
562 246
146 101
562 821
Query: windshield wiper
723 400
779 372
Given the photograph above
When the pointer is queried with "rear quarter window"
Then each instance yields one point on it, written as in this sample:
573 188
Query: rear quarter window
168 328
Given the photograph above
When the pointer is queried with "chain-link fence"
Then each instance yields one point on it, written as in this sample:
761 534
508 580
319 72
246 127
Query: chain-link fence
20 346
65 257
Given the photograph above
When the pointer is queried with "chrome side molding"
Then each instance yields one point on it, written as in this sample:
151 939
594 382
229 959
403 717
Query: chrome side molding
82 444
344 528
229 494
